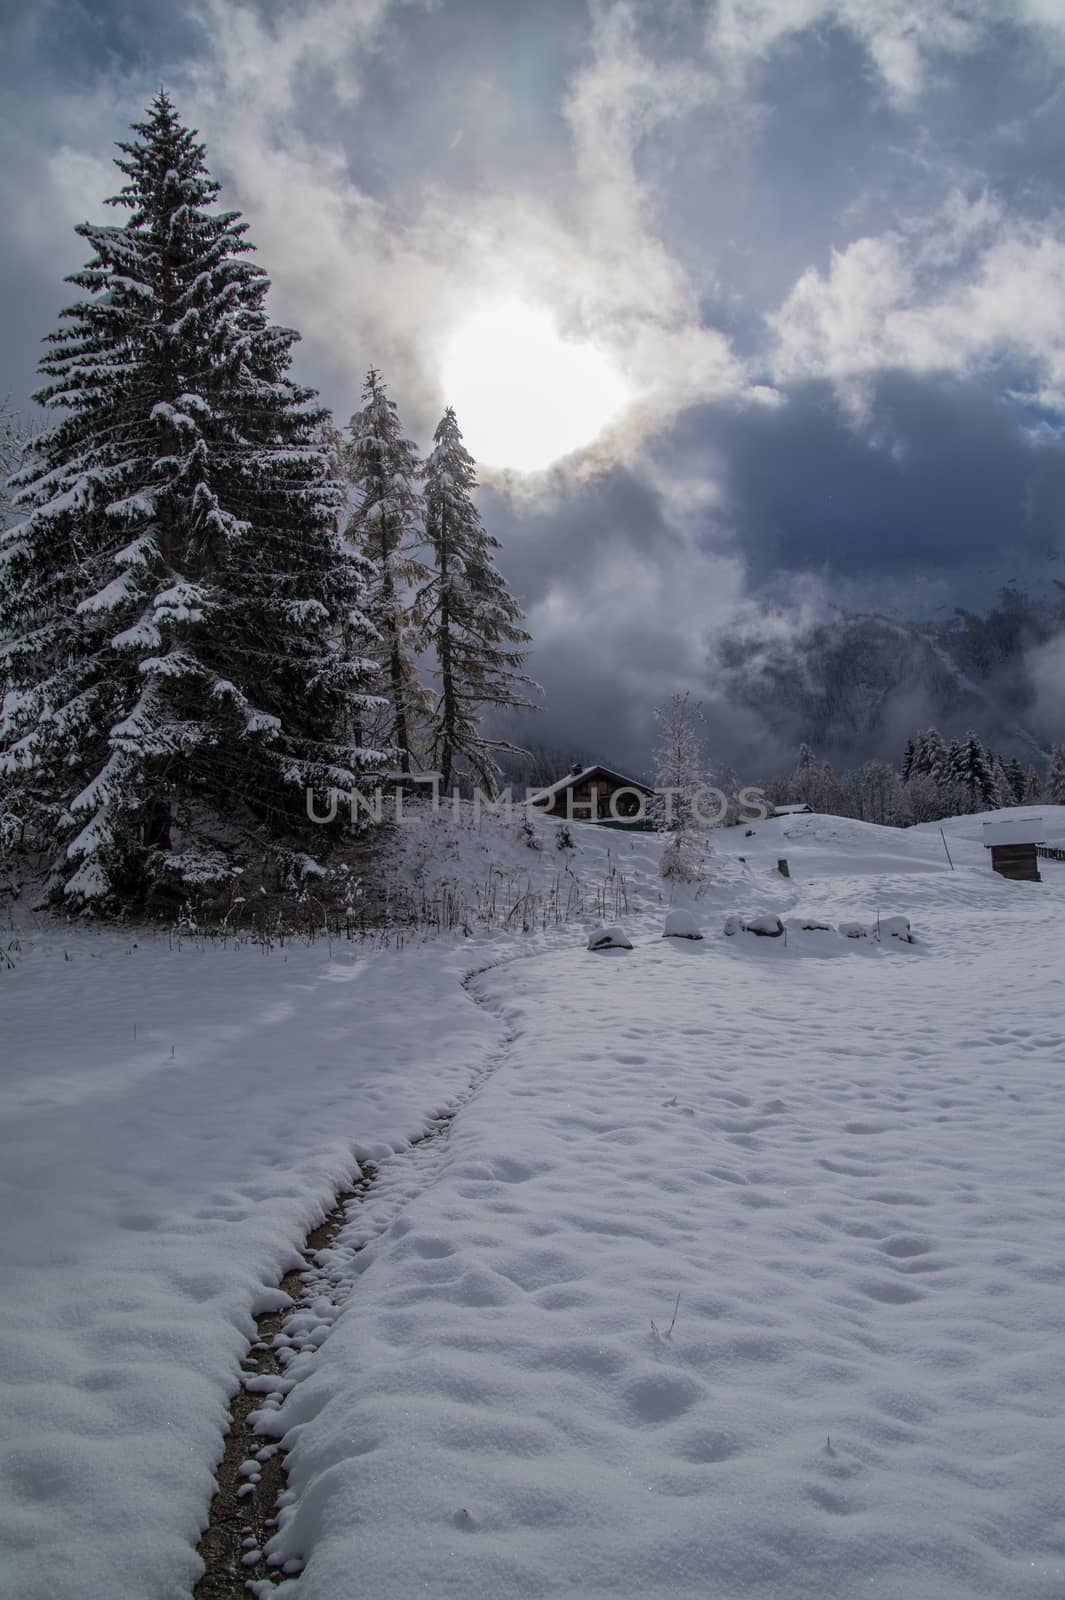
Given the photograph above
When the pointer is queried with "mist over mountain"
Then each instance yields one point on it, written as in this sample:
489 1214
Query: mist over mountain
857 685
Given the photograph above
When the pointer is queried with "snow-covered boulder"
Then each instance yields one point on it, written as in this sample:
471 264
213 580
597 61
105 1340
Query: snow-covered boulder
681 924
896 928
767 926
612 937
857 930
808 926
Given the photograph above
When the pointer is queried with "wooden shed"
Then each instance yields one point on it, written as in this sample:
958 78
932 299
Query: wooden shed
1013 844
798 809
595 794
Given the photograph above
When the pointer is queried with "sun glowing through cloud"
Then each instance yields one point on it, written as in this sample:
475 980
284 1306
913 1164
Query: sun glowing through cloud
524 395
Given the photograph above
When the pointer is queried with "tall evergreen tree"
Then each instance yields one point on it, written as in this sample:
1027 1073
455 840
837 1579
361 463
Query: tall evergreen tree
973 771
469 617
176 590
931 757
386 527
907 759
953 786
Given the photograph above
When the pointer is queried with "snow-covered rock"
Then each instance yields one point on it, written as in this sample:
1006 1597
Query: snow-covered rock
766 926
612 937
857 930
896 928
680 924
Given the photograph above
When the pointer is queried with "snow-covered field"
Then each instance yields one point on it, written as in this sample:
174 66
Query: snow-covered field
843 1155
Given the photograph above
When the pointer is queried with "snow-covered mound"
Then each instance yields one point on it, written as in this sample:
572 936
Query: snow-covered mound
612 938
766 925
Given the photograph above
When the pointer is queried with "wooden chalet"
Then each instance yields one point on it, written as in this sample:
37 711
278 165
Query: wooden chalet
1014 843
595 794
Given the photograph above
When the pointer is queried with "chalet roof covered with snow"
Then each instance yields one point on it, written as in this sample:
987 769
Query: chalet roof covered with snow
584 775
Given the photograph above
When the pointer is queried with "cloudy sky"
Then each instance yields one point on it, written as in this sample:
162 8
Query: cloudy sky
770 293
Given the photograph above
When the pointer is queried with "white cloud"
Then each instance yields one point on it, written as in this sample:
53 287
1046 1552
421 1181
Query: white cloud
902 39
367 282
954 292
388 281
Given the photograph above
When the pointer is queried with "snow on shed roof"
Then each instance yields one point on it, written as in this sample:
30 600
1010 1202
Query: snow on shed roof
573 778
799 809
1015 830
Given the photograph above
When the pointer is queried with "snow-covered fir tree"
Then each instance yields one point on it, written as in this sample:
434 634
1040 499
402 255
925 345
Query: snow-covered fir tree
470 620
386 526
930 757
14 800
956 798
15 441
176 591
907 759
972 771
1054 787
680 773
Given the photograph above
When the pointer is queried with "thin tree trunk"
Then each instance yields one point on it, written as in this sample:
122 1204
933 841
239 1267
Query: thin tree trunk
443 651
395 658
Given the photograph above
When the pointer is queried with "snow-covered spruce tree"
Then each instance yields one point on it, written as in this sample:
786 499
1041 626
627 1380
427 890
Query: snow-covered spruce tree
1033 789
16 790
469 618
1054 787
386 527
680 772
930 757
176 590
955 799
972 771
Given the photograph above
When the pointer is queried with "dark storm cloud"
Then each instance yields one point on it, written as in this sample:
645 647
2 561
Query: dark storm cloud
940 482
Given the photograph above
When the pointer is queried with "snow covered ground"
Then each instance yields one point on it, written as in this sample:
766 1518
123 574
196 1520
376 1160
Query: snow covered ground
843 1155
